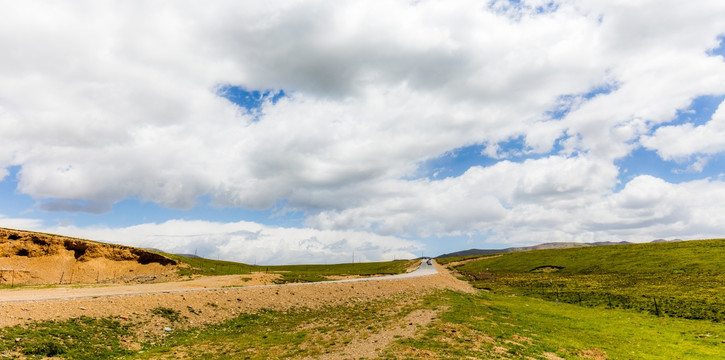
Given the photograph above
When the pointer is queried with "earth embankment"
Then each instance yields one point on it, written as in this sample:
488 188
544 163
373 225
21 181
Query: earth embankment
30 258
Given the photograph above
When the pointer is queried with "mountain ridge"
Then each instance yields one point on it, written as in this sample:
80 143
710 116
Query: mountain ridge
549 245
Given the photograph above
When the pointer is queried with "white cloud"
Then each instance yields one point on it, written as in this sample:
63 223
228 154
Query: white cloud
678 142
243 241
480 199
101 102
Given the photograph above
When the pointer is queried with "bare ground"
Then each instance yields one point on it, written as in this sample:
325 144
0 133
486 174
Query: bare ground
218 304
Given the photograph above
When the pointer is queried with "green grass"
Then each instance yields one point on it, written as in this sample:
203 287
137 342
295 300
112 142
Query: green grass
167 313
492 326
289 273
80 338
448 260
312 273
300 332
480 326
210 267
689 257
682 279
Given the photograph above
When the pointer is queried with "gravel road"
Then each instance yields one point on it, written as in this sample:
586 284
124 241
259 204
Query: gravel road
202 284
219 300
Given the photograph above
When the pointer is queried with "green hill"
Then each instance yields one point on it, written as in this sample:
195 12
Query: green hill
290 273
682 279
702 256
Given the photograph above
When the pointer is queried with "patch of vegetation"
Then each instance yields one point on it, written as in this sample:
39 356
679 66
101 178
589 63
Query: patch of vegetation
201 266
298 333
79 338
193 311
289 273
492 326
448 260
314 273
680 279
167 313
482 326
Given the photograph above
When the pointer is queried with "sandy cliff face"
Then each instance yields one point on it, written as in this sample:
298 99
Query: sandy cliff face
35 258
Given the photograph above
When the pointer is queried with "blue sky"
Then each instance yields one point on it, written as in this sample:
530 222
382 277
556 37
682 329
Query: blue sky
263 133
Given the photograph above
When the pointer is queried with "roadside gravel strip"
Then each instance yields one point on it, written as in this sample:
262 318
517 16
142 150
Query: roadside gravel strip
204 284
134 302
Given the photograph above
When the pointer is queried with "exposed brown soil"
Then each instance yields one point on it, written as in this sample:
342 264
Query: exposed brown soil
369 347
30 258
139 284
216 304
595 354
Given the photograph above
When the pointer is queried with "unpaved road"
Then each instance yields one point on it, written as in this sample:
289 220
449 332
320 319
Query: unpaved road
134 302
202 284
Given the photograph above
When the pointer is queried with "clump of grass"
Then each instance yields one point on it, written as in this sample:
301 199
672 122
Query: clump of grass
167 313
193 311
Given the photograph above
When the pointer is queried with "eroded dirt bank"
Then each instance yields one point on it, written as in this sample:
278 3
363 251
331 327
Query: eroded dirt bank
35 258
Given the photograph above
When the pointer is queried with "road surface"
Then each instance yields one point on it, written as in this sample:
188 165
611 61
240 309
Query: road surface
202 284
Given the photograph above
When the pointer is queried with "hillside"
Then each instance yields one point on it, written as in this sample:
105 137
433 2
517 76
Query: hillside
701 256
31 258
682 279
544 246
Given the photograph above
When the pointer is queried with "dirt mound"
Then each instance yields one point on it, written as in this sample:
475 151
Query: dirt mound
36 258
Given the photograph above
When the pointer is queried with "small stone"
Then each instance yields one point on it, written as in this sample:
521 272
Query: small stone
167 329
82 307
18 340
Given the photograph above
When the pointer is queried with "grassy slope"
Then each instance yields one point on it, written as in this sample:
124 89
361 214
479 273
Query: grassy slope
683 279
701 257
491 326
480 326
291 273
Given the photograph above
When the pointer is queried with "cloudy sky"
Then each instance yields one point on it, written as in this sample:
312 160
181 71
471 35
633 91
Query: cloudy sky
306 131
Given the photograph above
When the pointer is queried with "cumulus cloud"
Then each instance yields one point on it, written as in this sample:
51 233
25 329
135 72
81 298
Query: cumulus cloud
678 142
101 102
250 242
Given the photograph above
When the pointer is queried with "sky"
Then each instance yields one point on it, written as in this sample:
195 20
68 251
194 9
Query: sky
325 131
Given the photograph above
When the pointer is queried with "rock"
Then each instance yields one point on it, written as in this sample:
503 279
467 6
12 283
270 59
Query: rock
167 329
82 307
18 340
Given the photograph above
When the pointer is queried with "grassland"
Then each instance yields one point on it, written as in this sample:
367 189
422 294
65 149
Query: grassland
578 303
679 279
482 325
452 259
291 273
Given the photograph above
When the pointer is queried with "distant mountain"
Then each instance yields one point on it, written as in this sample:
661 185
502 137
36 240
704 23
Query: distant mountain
470 252
552 245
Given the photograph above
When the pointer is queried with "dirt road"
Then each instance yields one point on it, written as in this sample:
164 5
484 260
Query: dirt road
221 297
207 283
